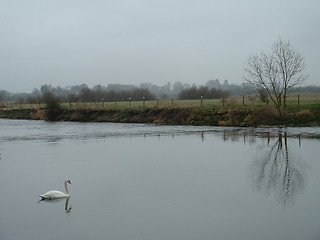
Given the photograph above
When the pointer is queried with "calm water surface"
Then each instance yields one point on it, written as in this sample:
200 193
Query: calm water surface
136 181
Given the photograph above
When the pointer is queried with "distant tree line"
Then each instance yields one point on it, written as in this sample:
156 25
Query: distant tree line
119 92
100 95
76 94
196 93
306 89
122 92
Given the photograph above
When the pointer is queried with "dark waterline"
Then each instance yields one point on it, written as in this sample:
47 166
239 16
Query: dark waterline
137 181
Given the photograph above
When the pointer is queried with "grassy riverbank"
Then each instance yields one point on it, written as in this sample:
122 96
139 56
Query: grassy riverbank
306 115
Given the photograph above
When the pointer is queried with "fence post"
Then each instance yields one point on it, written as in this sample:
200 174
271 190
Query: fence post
201 99
243 100
171 102
298 99
129 101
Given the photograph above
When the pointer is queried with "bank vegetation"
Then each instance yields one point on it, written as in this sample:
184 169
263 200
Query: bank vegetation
244 111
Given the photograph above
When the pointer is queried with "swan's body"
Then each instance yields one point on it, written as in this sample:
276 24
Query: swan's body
54 194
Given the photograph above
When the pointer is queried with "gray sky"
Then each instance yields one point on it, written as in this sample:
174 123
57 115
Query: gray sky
70 42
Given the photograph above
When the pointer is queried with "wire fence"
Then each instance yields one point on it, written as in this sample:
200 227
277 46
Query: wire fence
244 100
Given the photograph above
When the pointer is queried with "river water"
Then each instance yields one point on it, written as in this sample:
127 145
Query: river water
137 181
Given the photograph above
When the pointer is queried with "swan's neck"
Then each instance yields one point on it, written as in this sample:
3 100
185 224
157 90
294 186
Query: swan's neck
66 186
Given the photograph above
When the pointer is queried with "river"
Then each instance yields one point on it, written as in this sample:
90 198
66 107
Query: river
139 181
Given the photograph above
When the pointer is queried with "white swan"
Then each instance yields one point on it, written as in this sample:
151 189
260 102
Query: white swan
54 194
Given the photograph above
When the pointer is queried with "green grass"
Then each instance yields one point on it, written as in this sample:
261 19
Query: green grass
253 100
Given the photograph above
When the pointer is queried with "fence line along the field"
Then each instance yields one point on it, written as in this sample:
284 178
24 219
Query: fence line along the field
172 102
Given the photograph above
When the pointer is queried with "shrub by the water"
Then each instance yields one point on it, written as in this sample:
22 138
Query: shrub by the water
53 107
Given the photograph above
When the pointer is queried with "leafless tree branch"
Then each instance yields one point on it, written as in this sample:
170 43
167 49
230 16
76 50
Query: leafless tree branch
276 72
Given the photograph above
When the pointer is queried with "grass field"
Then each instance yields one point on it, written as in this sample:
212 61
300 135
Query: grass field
252 100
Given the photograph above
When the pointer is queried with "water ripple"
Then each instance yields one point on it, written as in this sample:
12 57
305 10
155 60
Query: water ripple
26 130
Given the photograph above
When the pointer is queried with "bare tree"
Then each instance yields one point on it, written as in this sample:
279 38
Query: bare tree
276 72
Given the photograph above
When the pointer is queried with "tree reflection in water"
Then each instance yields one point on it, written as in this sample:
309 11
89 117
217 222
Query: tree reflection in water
278 171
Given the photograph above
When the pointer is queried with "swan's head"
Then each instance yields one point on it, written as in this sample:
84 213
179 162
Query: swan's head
68 181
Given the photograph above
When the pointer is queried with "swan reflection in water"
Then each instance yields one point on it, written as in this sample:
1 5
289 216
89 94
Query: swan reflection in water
67 209
279 171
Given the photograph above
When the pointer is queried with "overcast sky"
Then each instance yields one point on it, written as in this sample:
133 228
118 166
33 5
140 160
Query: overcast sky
70 42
